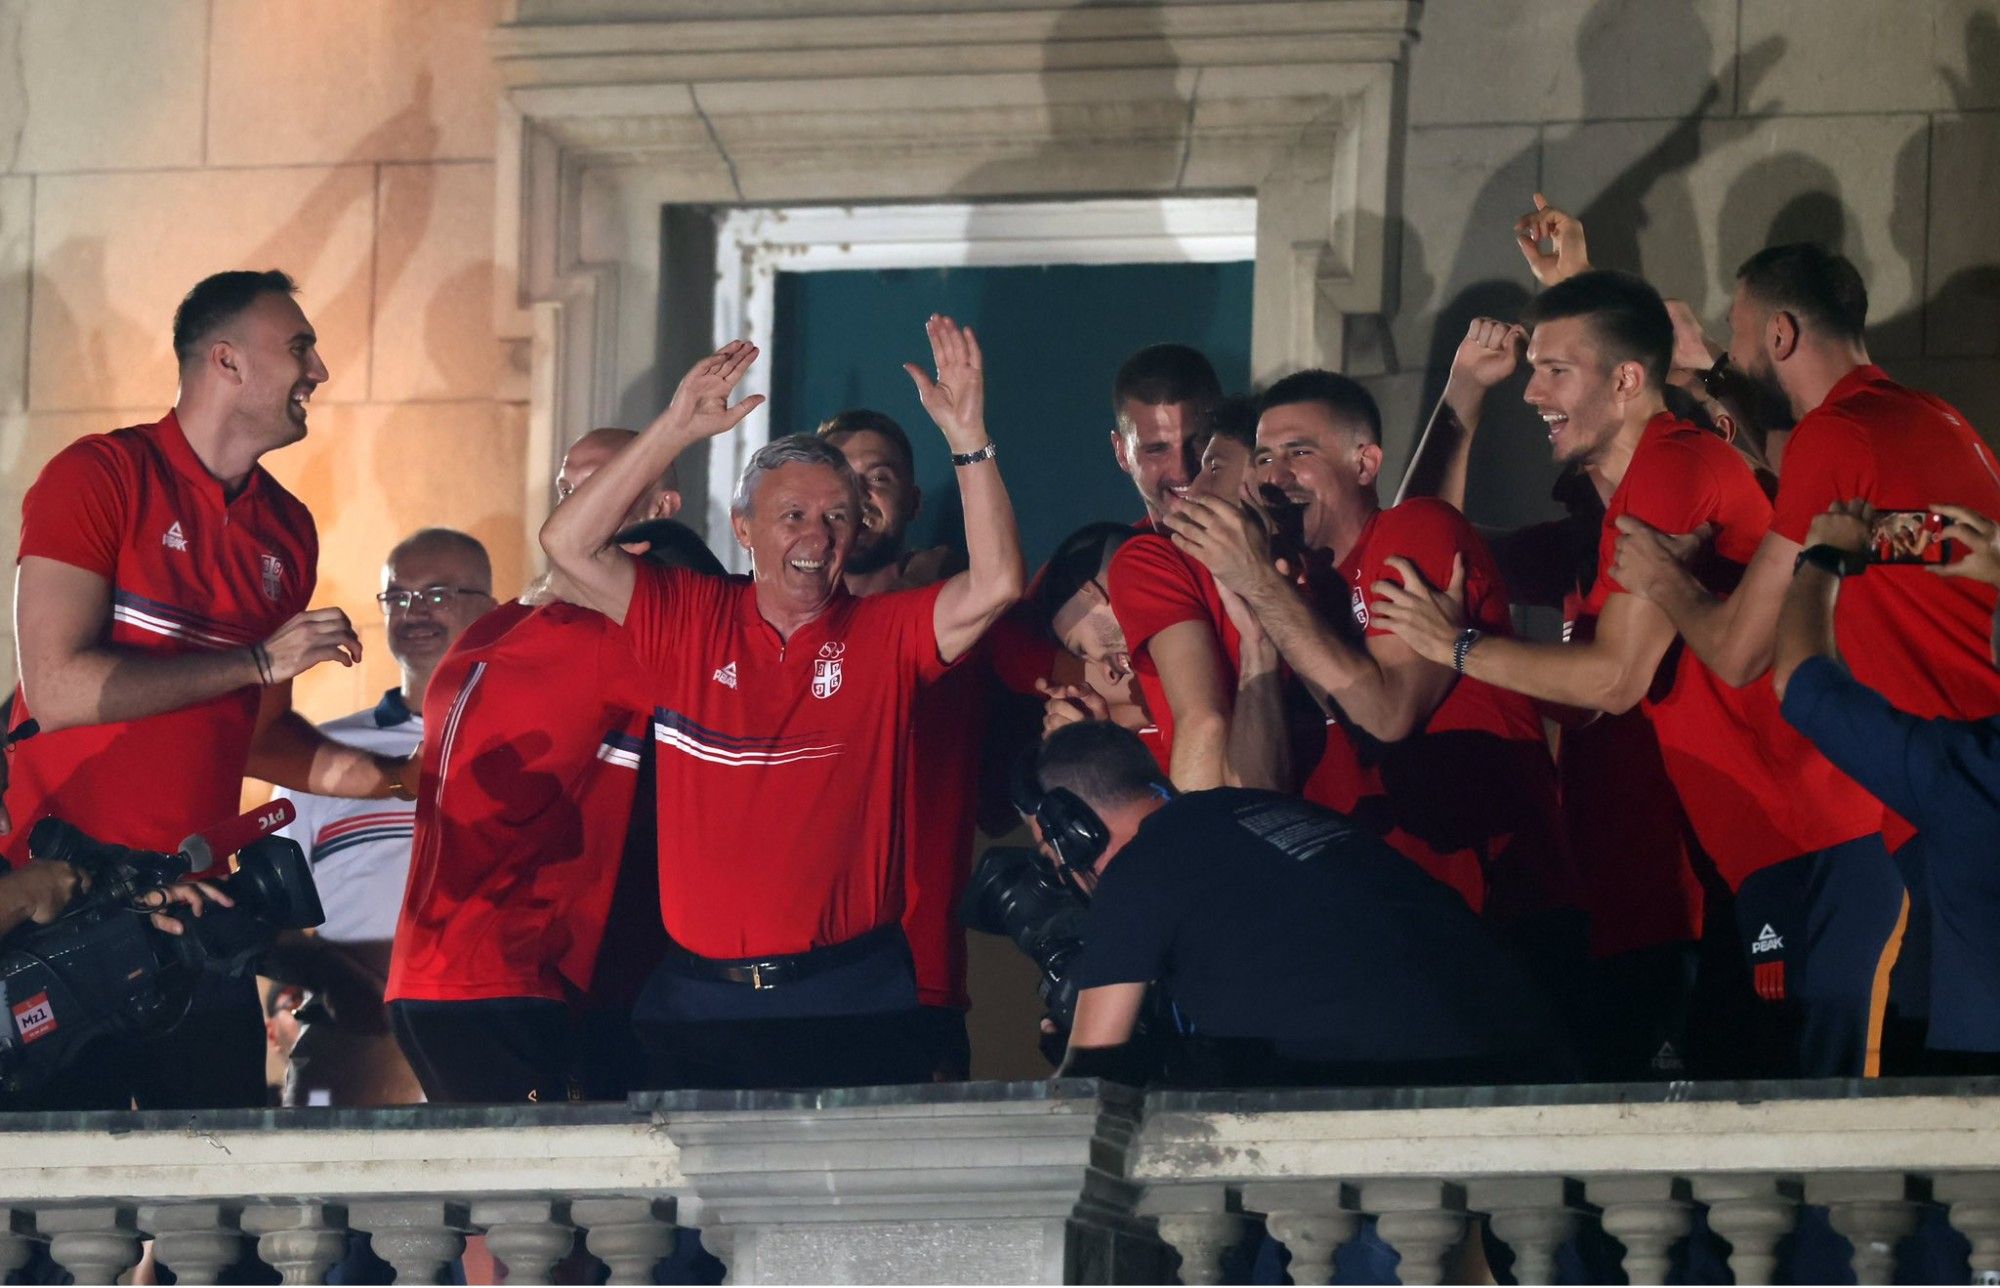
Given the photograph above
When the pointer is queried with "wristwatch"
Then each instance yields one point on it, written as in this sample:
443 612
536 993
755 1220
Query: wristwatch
1841 563
986 453
1462 645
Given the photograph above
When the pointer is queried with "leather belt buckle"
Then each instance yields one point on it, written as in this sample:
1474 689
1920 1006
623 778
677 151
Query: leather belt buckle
757 977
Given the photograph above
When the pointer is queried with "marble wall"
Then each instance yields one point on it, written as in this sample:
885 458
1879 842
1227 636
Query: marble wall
147 143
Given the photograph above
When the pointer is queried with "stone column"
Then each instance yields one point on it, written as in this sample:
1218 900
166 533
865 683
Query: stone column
1874 1210
1422 1220
1649 1215
528 1235
1752 1211
96 1244
1972 1204
1533 1215
301 1242
629 1235
1198 1223
197 1241
1312 1219
419 1237
17 1239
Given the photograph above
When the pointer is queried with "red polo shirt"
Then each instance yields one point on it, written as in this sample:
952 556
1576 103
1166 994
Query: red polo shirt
940 808
534 724
1918 639
1755 791
1471 796
782 763
1154 586
189 570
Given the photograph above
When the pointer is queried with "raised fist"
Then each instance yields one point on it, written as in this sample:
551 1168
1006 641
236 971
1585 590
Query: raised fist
1488 354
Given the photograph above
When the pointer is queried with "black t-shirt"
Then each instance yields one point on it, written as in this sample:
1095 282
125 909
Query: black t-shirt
1267 917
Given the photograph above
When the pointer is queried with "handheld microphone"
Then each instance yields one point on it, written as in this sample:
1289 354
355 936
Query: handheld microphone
206 848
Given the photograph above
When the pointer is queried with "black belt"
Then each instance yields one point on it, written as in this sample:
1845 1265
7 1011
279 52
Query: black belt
771 972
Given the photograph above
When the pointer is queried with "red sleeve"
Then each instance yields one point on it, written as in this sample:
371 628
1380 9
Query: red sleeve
1827 460
75 512
1676 493
1430 534
666 604
1152 587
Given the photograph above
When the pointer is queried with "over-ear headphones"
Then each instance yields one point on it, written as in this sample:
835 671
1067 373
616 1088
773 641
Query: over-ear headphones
1068 825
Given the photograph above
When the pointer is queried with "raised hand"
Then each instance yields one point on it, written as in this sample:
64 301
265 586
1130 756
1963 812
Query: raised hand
956 399
1981 538
1693 350
315 636
1567 254
1418 613
1488 354
700 404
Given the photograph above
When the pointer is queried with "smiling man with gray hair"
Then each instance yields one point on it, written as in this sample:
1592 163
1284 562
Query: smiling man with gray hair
782 708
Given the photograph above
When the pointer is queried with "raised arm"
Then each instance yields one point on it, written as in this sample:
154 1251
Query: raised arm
585 567
956 401
1488 355
1610 672
73 675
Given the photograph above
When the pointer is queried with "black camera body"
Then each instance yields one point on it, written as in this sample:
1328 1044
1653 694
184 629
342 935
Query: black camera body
103 969
1014 892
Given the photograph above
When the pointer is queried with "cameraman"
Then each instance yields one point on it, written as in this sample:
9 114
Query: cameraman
1943 775
1296 947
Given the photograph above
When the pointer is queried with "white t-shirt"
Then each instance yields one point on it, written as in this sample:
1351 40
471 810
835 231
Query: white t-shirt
360 850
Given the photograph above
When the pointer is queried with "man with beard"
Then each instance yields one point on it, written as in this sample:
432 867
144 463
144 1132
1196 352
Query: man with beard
1797 335
781 709
1161 397
948 732
435 583
1818 906
161 615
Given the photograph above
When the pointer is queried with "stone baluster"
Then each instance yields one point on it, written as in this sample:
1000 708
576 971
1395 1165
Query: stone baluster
419 1237
1648 1215
299 1241
1311 1218
197 1241
1874 1210
17 1239
1423 1220
1196 1221
95 1244
529 1236
629 1235
1972 1204
1533 1216
1753 1212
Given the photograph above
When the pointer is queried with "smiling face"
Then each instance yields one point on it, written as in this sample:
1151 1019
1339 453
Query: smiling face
889 498
1322 464
420 634
276 362
1151 444
799 529
1579 392
1224 465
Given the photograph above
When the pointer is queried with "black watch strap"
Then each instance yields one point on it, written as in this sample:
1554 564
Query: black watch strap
1841 563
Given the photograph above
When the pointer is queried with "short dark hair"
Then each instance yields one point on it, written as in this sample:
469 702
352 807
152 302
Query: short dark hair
672 545
217 300
1081 557
1101 762
1160 374
1625 313
1234 418
1811 281
1341 395
861 420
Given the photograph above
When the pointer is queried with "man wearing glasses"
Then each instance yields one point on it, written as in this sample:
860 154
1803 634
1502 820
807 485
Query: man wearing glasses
435 583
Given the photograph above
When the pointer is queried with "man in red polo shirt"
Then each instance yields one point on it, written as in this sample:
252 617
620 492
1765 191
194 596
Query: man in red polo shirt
782 710
160 617
1456 776
1797 338
1819 905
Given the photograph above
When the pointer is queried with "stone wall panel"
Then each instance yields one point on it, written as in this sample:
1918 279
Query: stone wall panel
101 84
114 254
17 219
433 318
1964 270
1876 56
301 81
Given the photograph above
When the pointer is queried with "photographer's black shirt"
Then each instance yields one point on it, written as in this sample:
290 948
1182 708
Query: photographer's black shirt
1264 916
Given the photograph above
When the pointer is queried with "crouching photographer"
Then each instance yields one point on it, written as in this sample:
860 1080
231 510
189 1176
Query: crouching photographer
1292 947
105 951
